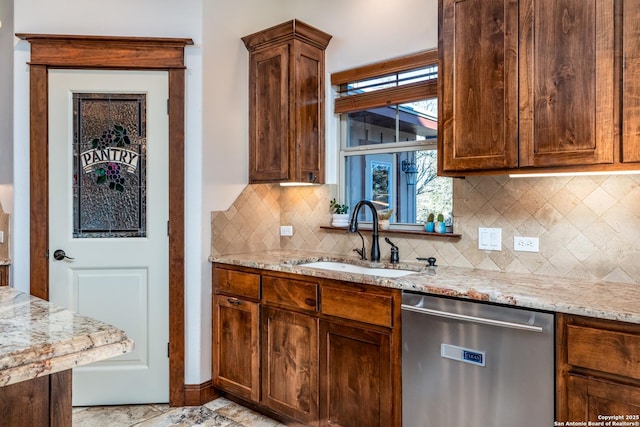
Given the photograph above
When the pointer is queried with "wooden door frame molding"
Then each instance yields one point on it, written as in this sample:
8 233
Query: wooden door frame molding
119 53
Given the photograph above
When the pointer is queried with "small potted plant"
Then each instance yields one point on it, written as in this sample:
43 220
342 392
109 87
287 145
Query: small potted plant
440 226
383 218
430 225
339 214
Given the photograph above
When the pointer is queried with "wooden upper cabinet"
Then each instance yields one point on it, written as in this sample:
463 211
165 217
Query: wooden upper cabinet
286 103
566 82
630 151
478 91
528 84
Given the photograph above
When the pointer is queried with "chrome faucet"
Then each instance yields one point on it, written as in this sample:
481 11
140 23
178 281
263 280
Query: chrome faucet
353 227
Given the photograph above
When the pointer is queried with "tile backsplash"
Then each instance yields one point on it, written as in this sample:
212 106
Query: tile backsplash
588 227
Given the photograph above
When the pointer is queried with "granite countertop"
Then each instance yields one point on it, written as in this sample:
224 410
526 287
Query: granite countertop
5 261
38 338
605 300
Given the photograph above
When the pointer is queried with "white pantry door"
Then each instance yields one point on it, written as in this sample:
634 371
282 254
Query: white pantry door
108 212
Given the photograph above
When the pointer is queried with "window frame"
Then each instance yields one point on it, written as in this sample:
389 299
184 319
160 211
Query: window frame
395 96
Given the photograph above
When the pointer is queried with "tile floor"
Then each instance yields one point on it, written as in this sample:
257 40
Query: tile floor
217 413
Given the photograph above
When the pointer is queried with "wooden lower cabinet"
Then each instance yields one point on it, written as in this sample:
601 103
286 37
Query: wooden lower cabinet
598 369
40 402
290 364
236 361
591 398
356 377
313 352
4 275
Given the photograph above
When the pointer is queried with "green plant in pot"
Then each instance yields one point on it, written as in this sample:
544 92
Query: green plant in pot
430 225
383 218
440 226
339 214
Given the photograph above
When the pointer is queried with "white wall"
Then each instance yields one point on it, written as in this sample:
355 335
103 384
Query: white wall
364 31
225 132
6 107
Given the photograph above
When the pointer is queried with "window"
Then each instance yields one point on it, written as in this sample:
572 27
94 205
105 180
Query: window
389 121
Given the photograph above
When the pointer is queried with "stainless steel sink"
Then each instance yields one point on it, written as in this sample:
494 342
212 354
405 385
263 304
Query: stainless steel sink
344 267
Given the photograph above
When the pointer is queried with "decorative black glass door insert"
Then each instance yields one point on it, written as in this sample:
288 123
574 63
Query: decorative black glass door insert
109 172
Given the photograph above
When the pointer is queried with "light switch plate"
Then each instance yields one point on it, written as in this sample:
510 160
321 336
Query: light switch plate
490 239
1 236
286 230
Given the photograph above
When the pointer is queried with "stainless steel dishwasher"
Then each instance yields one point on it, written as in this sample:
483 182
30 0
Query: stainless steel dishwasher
468 364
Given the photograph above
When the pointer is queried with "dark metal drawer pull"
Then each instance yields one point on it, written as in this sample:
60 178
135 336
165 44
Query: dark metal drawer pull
234 301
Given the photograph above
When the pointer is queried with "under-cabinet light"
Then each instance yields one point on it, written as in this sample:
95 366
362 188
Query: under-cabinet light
297 184
569 174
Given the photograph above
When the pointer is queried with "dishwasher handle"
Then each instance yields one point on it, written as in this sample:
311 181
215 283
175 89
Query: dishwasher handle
473 319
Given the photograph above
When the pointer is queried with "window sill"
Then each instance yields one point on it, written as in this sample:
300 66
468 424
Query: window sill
396 231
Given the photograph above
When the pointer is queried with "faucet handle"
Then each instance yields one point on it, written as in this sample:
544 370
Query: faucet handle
431 261
395 256
386 239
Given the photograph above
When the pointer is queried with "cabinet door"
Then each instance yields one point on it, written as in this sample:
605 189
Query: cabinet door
566 82
589 398
307 104
41 401
289 364
355 377
631 82
269 115
478 84
236 346
4 275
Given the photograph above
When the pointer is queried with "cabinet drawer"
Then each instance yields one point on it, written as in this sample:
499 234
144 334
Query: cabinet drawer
236 282
357 303
290 292
603 350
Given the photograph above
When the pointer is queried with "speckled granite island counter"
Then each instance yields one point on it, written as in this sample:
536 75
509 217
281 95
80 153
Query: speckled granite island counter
603 300
39 344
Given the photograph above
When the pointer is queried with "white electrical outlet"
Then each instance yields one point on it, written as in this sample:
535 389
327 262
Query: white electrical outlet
526 244
286 230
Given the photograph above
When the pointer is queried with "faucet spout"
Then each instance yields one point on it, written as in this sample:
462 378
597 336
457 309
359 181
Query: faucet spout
353 227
